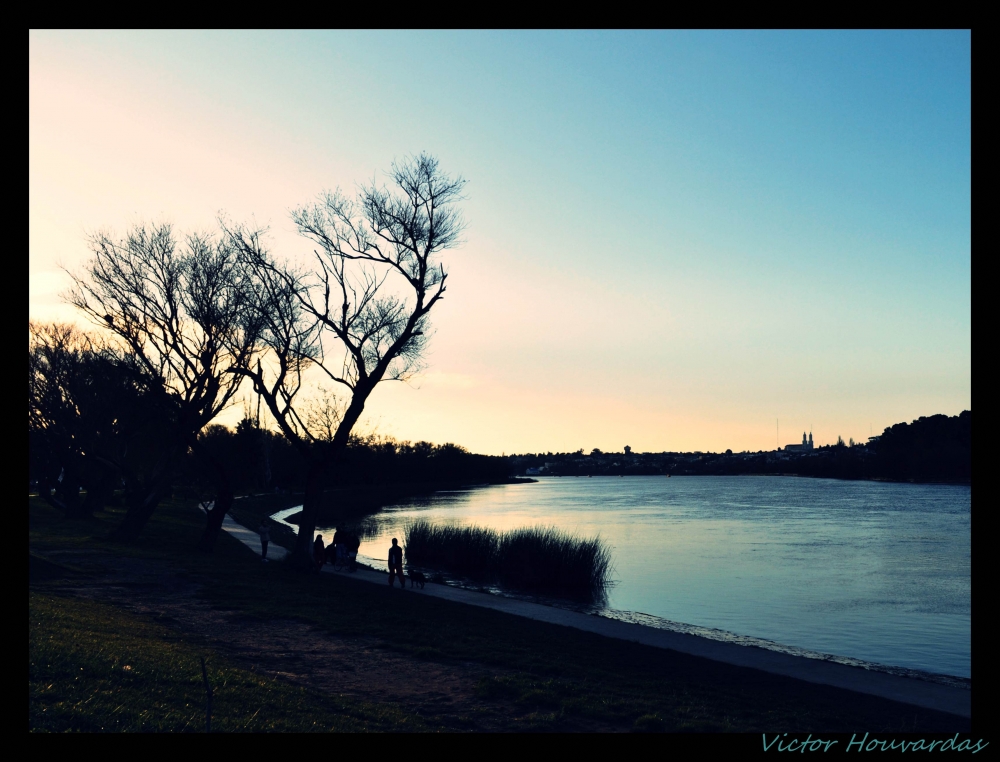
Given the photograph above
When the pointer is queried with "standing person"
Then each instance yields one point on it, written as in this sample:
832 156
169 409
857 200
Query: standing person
353 545
339 550
330 555
396 564
265 537
319 552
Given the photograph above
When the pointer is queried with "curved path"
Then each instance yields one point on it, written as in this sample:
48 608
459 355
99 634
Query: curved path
908 690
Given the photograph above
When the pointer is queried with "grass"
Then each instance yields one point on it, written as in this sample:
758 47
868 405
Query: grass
535 559
93 667
535 676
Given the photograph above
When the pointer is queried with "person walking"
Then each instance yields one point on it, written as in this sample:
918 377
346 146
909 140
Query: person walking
265 537
396 564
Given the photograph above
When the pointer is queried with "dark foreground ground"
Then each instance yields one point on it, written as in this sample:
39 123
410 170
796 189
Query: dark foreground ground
116 635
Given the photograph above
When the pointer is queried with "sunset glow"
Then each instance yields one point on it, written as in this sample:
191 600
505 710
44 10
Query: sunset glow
676 240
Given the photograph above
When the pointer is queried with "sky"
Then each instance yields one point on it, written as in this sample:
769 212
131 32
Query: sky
676 240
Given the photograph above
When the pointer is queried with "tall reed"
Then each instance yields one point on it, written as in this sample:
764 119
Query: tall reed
469 551
541 559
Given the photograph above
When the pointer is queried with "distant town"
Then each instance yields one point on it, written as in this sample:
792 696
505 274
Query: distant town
936 448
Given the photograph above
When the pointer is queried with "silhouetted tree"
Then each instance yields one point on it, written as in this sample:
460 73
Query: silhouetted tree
178 311
55 358
88 409
358 317
931 448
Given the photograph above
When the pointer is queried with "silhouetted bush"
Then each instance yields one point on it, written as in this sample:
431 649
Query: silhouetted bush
547 559
532 558
932 448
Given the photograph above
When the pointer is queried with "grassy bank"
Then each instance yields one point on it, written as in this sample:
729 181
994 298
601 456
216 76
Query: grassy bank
525 675
94 667
533 558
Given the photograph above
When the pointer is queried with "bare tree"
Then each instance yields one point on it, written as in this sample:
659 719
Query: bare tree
324 414
358 316
178 310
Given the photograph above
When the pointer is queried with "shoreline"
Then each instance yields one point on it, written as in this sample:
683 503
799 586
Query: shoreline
904 689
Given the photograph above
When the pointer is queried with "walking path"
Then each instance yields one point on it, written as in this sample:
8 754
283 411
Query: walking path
907 690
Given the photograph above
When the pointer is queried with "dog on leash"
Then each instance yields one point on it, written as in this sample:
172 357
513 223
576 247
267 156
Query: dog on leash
417 578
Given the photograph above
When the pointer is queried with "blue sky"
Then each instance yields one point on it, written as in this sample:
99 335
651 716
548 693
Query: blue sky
674 237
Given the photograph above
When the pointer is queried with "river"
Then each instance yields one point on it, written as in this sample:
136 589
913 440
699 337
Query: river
865 572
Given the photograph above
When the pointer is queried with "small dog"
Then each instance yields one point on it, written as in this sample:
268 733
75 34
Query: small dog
417 578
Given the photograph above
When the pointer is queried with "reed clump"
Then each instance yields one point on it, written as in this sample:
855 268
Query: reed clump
536 559
468 551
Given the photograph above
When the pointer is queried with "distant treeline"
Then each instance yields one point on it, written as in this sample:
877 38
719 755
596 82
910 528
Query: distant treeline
261 460
936 448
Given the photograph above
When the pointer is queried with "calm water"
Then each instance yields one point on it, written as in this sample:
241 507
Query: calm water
872 571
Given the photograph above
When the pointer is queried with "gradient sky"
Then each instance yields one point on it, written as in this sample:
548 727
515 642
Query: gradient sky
675 238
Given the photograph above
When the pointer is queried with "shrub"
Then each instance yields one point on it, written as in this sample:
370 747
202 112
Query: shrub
541 559
469 551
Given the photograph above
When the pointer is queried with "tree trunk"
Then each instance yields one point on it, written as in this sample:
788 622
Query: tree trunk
223 501
68 494
140 512
213 522
49 496
142 507
99 488
302 553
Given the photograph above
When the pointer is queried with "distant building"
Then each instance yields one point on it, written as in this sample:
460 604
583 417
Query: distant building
806 446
